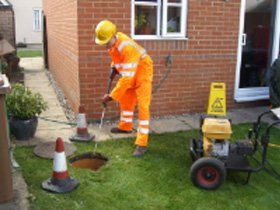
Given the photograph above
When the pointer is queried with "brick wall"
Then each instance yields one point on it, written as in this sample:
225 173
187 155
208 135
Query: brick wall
7 25
61 18
208 55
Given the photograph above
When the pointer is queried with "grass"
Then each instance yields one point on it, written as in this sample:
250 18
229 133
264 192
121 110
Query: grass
29 53
160 180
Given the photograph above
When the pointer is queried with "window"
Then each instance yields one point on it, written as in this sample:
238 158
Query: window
159 18
37 19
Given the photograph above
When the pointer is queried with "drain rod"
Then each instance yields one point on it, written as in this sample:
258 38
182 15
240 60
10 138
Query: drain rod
113 73
100 127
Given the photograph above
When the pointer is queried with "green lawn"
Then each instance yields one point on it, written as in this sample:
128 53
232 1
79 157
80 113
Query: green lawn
160 180
29 53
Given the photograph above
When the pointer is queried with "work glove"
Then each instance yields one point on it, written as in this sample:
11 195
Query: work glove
106 98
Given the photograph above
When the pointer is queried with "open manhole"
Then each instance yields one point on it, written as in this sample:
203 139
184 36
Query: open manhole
89 161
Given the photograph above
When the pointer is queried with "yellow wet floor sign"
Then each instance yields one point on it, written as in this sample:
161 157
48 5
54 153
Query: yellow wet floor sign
217 99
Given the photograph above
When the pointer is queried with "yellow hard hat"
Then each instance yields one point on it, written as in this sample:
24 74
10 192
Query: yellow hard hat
104 32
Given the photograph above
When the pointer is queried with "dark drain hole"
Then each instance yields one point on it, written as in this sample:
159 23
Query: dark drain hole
89 161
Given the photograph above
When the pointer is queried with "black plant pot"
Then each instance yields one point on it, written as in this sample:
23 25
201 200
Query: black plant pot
23 129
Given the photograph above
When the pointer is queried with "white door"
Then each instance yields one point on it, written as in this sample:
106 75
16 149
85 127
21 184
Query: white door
258 48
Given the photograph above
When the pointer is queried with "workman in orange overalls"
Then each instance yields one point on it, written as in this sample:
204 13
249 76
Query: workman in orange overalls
135 66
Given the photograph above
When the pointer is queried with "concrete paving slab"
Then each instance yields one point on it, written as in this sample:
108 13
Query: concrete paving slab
46 125
53 103
105 132
100 135
245 115
32 63
191 120
53 115
48 97
32 80
35 87
42 136
36 77
44 90
54 111
168 125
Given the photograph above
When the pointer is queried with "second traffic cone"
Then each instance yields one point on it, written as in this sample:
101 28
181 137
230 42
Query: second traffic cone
82 131
60 182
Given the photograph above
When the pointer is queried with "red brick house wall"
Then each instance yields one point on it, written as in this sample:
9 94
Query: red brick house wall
209 54
63 52
7 24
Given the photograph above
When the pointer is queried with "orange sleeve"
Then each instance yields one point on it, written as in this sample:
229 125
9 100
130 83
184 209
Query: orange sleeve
129 65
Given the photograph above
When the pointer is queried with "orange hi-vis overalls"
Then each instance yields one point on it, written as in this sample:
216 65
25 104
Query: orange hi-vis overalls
135 85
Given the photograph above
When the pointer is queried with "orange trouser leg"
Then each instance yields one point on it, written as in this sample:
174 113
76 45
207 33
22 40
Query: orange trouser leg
143 93
127 104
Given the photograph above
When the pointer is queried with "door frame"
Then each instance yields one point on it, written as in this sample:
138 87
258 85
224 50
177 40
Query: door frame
257 93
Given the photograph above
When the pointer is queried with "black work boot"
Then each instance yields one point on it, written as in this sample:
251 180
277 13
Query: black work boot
116 130
139 151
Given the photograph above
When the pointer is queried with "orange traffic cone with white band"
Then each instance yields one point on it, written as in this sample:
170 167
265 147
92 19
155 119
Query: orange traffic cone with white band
82 131
60 181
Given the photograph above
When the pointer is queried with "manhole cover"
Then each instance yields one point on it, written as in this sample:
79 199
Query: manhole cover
46 150
89 161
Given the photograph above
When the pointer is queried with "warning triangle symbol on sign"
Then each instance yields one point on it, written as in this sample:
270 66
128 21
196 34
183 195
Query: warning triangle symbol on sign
217 104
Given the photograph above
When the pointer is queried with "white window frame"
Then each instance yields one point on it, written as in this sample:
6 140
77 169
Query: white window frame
183 6
162 11
40 19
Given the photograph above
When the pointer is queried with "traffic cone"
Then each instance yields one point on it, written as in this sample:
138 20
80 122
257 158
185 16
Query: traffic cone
82 131
60 181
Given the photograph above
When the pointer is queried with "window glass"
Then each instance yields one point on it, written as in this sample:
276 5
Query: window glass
173 19
37 14
37 25
174 1
145 20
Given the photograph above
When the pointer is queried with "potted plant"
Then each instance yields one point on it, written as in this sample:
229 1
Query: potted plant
143 25
23 108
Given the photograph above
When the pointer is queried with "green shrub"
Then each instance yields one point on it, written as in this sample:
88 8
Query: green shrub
3 66
23 104
21 44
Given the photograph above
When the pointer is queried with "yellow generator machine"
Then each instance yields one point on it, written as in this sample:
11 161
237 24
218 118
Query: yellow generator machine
216 135
214 154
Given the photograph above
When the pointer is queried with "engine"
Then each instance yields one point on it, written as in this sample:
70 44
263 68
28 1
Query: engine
244 147
220 148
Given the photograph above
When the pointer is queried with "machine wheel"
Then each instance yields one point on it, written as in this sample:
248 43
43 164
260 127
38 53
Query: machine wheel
208 173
